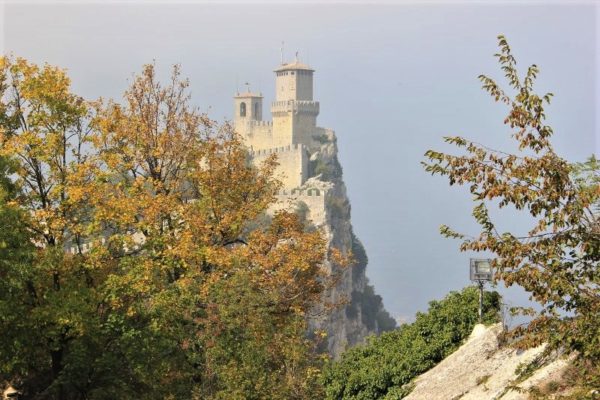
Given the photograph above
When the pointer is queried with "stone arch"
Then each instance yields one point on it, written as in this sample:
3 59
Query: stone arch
242 109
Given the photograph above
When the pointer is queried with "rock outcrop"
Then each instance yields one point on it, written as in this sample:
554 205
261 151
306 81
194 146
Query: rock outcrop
482 369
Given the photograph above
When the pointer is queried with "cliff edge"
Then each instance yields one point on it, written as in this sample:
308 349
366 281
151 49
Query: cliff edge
362 312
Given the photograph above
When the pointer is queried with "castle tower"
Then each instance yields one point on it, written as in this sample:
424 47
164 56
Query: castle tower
247 107
294 81
294 110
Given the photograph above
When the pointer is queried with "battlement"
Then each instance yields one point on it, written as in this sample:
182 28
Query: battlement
312 198
293 163
257 134
253 123
304 106
276 150
302 192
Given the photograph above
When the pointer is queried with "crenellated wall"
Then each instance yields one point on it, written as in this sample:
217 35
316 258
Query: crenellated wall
295 106
257 135
293 163
314 199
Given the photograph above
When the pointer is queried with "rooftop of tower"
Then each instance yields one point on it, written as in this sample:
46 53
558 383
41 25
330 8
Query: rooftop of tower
296 65
247 94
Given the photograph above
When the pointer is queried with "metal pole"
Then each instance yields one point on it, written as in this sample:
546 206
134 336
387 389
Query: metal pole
480 302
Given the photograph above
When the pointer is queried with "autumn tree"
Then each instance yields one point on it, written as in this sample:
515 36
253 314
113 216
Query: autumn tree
556 261
155 273
186 184
43 127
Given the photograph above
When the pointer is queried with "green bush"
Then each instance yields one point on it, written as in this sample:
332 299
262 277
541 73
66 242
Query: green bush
382 368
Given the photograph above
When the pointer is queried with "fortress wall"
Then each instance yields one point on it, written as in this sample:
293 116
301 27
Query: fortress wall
305 127
86 246
314 199
282 129
293 163
137 238
262 135
259 135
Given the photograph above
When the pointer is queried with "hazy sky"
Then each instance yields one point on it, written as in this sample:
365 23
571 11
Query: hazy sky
392 79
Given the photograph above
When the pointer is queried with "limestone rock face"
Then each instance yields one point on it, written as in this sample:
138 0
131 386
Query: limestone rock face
362 312
481 369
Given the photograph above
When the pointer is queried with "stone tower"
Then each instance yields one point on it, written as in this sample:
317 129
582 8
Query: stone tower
247 107
294 110
312 181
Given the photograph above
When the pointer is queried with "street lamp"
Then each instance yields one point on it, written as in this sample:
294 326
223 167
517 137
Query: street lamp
480 271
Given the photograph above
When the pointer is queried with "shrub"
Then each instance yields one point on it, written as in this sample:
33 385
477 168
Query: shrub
382 368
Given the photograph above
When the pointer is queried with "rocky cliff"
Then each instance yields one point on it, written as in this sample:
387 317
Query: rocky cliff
361 311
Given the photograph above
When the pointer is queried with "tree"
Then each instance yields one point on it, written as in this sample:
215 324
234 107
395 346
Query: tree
556 261
42 130
187 186
16 253
154 273
384 366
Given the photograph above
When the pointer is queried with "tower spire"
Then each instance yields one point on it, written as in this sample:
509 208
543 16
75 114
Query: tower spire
282 52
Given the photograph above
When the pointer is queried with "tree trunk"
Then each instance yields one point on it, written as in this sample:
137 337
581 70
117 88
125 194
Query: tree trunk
57 367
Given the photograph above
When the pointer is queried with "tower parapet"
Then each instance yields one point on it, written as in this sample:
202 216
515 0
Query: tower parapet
292 106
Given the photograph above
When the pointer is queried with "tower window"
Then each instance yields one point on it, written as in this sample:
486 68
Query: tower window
255 110
242 109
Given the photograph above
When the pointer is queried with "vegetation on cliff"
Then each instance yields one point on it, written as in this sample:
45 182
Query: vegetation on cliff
382 368
373 314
